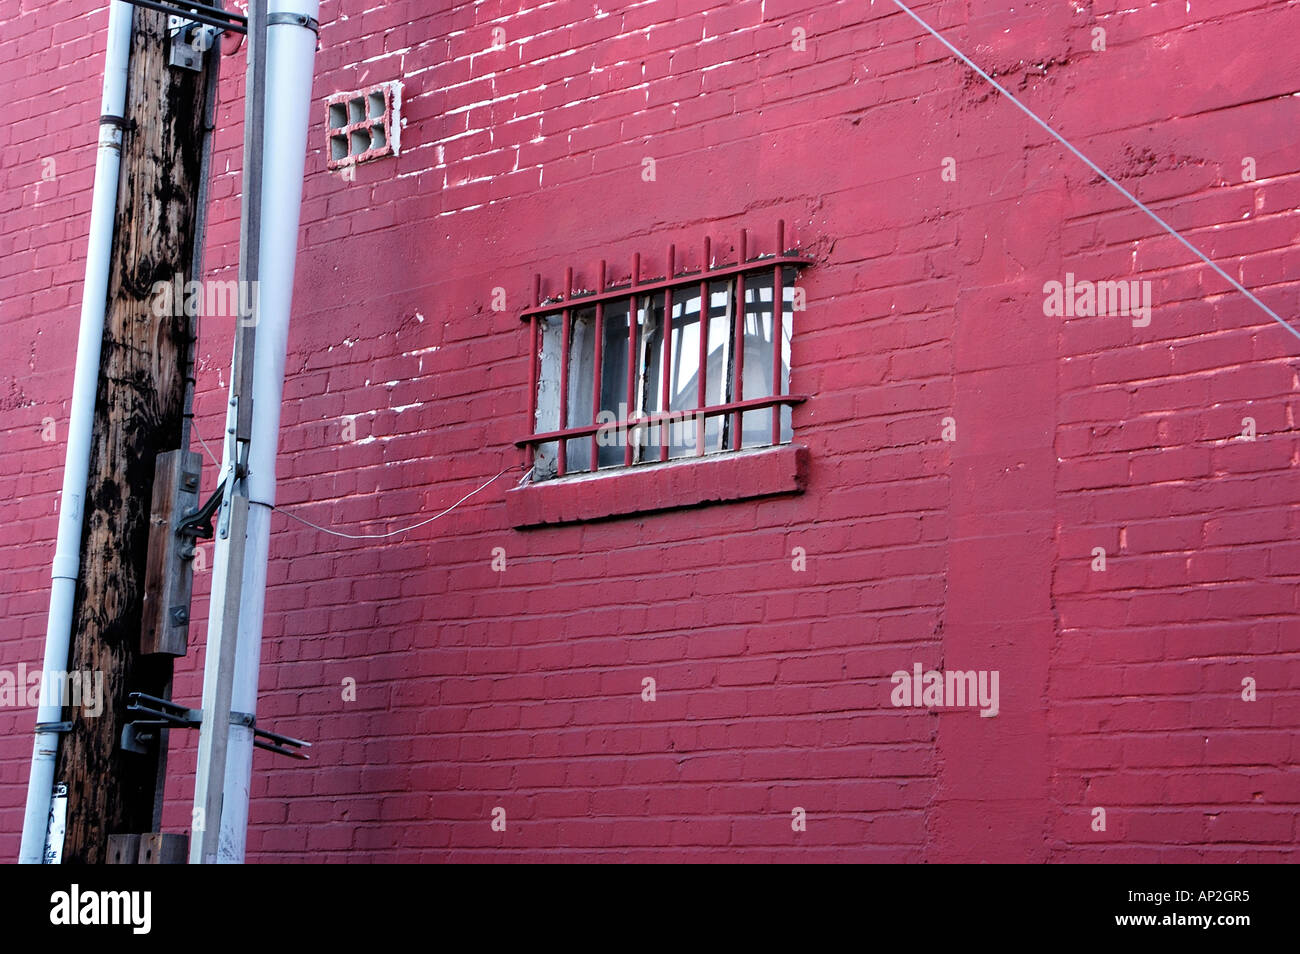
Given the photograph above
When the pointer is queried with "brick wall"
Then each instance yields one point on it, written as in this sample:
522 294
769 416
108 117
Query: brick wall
521 689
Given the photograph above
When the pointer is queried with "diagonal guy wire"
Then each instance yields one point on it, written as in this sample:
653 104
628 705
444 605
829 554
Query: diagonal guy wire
1097 169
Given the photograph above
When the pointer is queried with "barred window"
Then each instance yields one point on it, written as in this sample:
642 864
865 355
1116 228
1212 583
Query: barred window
691 363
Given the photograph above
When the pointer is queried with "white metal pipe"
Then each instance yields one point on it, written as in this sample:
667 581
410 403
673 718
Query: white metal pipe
76 468
290 65
248 653
217 637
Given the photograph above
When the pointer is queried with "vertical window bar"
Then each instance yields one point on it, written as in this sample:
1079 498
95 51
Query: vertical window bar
633 365
738 351
704 351
533 359
778 295
666 363
561 456
596 366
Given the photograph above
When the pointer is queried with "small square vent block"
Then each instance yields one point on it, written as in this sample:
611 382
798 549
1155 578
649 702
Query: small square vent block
364 125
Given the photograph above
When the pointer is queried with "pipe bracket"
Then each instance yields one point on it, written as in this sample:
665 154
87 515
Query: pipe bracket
280 17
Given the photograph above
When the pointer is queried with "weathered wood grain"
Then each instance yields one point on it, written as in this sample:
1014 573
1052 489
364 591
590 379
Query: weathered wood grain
138 415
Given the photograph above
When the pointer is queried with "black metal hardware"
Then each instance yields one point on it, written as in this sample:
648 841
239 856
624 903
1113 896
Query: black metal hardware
164 714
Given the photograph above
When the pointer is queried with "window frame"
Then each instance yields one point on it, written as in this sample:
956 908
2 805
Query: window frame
635 291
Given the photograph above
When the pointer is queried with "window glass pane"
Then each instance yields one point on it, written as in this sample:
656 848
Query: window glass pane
650 315
683 383
717 377
548 395
788 276
613 383
756 426
684 388
582 373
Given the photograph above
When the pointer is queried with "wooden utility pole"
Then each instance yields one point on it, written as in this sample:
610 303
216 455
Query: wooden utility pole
139 412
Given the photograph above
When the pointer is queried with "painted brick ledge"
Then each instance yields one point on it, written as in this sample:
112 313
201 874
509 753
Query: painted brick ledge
646 488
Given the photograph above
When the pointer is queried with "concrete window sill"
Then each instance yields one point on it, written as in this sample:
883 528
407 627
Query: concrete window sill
647 488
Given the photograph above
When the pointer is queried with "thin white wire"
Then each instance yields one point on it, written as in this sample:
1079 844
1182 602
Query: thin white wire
1097 169
393 533
374 536
205 446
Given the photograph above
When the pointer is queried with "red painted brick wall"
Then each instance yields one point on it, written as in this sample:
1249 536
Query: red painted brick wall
521 689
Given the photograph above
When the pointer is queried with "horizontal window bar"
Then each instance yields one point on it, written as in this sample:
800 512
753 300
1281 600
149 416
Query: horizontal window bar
692 278
198 12
663 417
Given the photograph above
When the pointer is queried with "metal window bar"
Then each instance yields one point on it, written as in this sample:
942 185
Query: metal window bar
633 312
777 293
597 361
738 352
198 12
562 449
639 296
666 361
534 343
702 388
